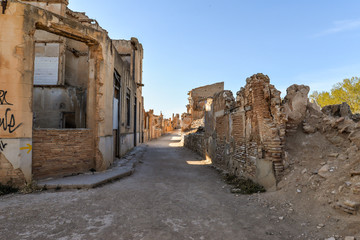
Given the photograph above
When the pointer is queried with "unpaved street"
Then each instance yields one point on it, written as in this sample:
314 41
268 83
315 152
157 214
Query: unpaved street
166 198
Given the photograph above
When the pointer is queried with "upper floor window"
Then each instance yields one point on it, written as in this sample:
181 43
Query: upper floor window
46 66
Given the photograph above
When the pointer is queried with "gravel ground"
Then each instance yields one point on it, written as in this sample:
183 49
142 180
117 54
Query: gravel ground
168 197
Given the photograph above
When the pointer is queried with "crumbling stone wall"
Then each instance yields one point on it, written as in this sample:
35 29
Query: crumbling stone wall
295 105
259 135
246 136
186 120
195 142
196 107
198 96
264 121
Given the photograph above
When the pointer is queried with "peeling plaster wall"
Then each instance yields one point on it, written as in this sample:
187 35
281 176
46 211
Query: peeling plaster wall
51 103
127 143
76 64
15 164
62 105
106 148
128 85
16 93
131 54
20 27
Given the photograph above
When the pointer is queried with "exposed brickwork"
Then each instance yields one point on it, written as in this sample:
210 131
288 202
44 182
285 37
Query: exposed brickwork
264 113
9 175
198 96
238 127
222 128
242 163
62 152
249 132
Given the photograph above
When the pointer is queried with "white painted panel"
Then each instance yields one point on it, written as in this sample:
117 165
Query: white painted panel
116 114
46 70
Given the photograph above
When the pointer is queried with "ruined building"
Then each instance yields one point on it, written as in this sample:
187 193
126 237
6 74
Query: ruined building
156 125
70 97
152 125
176 122
260 136
245 135
195 108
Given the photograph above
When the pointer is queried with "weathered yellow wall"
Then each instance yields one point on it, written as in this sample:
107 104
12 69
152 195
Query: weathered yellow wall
17 42
15 89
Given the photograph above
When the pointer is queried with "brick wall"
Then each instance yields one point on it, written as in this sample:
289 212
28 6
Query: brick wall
243 163
249 132
265 122
62 152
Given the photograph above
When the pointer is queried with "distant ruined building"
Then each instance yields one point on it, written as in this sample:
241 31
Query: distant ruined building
70 97
196 107
156 125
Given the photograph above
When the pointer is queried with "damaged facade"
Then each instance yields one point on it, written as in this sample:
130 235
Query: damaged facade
290 145
195 108
246 135
254 135
70 97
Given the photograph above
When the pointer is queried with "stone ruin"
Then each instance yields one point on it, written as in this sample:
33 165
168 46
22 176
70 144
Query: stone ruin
194 117
247 136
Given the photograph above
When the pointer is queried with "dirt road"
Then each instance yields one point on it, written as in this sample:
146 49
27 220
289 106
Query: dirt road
168 197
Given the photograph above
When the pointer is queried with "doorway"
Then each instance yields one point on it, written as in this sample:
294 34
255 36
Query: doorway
116 113
135 120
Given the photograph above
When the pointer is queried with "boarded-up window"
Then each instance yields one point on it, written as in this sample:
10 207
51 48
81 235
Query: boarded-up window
46 67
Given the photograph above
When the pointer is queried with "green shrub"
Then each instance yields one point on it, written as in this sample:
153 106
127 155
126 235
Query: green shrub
243 186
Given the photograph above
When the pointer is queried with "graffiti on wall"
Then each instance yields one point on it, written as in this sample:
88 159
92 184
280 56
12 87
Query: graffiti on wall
3 100
29 148
2 145
7 121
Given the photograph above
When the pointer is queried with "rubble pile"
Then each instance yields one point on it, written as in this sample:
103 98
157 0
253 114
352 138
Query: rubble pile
323 157
314 153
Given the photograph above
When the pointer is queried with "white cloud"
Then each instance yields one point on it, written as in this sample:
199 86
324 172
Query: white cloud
340 26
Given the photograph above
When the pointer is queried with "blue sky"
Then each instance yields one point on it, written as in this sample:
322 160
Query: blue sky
190 43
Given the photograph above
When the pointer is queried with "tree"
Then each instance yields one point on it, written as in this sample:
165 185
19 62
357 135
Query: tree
346 91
